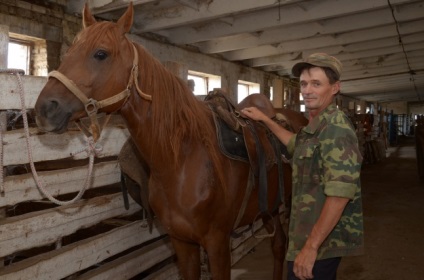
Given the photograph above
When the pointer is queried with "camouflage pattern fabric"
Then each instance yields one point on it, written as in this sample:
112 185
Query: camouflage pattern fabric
326 162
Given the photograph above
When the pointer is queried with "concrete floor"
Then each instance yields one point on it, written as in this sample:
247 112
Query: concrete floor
393 198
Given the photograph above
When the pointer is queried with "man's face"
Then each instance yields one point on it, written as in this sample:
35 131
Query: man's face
316 89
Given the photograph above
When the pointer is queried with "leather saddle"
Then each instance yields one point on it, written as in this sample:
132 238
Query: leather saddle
243 139
239 137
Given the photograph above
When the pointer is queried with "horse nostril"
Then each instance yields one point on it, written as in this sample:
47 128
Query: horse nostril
50 108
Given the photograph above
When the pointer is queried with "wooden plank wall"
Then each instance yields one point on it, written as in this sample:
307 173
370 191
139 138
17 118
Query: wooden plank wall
94 238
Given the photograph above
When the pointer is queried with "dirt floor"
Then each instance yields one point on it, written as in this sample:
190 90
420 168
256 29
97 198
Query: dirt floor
393 198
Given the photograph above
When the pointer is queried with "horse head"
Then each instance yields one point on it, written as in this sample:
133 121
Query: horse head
96 74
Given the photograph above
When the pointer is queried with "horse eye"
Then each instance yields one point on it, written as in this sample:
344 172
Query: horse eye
100 55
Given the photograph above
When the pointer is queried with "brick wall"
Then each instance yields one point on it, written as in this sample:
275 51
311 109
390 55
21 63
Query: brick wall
46 25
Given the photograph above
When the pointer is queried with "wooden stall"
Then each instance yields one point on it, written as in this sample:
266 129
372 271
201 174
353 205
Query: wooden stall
93 238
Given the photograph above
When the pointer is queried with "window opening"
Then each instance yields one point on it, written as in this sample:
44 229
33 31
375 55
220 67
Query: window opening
245 88
198 85
18 56
202 83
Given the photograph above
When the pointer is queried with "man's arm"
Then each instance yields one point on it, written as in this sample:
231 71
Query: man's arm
329 217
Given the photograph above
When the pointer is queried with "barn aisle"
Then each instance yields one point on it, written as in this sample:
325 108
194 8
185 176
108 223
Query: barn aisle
394 225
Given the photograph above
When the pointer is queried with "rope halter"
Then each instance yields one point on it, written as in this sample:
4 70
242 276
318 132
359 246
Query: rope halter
92 106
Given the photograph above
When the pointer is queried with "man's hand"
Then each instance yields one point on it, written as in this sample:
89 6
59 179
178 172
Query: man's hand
304 263
254 113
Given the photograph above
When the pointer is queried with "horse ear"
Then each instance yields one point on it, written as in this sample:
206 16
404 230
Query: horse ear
126 21
87 17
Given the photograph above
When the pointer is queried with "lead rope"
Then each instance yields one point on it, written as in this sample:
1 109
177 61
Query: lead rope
1 162
92 149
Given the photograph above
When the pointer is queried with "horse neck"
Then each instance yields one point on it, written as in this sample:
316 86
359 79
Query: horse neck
174 117
139 124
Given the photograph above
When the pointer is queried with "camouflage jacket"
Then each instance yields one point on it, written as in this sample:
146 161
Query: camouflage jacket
326 162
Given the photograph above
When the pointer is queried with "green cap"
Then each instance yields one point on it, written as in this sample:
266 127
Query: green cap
320 60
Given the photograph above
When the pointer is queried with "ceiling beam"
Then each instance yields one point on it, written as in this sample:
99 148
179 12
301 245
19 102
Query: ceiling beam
176 16
269 18
379 61
103 6
400 84
378 71
360 39
392 80
388 96
343 24
281 60
416 62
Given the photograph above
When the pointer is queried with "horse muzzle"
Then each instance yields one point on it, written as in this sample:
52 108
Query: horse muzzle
45 125
52 116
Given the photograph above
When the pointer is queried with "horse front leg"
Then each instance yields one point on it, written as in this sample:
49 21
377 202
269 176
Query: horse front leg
278 244
188 259
219 256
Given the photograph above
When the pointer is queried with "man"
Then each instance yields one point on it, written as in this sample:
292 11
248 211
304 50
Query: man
326 217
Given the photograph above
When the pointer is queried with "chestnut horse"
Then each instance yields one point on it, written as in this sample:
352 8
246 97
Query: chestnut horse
195 191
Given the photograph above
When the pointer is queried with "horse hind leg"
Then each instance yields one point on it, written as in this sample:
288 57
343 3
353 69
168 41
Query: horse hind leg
278 244
188 259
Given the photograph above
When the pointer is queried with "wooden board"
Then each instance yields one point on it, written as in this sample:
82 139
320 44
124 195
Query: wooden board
80 255
134 263
45 227
21 188
9 93
59 146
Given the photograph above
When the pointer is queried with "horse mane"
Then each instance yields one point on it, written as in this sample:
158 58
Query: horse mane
187 118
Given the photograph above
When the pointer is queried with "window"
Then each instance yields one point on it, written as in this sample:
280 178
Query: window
30 54
246 88
242 92
18 56
199 85
202 83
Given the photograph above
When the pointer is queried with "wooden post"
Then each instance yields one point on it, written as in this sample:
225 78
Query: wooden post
278 93
4 43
